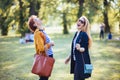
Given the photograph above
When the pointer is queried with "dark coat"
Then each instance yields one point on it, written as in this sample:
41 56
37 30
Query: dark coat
77 67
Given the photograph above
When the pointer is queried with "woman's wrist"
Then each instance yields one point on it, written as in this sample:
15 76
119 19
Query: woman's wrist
68 59
69 56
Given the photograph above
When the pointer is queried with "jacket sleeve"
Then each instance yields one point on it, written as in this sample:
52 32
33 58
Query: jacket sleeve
39 41
84 42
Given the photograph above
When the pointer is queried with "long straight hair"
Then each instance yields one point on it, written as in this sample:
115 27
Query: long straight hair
86 29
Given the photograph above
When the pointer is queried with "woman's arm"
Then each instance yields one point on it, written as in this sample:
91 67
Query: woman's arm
68 59
84 43
48 45
39 42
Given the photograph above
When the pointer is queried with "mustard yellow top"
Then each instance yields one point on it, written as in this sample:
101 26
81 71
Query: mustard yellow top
39 41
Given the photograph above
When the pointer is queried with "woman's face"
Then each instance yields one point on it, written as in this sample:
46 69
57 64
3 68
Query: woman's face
80 23
37 22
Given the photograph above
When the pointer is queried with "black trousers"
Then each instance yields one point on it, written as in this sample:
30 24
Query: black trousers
43 77
76 77
101 34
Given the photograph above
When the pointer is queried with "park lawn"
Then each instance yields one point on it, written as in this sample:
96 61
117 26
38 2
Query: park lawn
16 59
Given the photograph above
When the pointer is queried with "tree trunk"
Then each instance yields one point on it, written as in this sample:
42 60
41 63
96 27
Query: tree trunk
65 29
4 30
105 14
38 6
119 26
107 27
3 17
21 22
80 11
34 7
3 26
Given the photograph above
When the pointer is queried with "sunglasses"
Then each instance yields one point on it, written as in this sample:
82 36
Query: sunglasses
83 22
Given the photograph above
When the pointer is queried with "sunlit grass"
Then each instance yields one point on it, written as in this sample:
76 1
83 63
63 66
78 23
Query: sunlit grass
16 59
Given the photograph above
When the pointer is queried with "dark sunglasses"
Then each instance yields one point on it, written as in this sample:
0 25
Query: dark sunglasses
83 22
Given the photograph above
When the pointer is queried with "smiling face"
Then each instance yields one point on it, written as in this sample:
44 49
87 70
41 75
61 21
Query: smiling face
80 23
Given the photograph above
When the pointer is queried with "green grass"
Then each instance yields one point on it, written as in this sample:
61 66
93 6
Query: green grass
16 59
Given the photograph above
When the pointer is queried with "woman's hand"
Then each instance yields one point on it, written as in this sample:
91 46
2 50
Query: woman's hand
67 60
78 46
52 43
81 49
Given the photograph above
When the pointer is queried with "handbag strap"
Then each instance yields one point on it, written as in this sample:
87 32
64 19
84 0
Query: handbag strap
83 58
82 52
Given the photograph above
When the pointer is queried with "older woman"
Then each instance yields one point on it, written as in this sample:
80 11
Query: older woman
43 43
80 49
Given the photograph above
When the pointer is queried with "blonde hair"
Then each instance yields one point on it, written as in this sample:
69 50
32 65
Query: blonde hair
86 29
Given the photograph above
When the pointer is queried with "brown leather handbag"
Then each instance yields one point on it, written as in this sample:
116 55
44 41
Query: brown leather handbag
43 65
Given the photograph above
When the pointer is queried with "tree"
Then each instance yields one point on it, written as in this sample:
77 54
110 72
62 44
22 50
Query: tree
67 10
105 14
117 12
81 7
21 18
91 9
34 7
55 9
64 18
65 28
5 6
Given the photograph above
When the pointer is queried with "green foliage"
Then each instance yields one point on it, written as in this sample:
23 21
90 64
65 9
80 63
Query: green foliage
52 13
5 7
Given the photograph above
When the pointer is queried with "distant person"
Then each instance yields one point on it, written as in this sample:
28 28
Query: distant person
27 37
80 48
42 41
31 37
109 36
102 26
22 40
